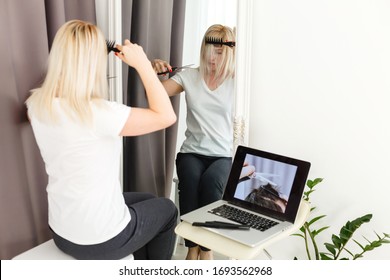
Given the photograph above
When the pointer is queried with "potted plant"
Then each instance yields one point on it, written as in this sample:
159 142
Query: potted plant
337 248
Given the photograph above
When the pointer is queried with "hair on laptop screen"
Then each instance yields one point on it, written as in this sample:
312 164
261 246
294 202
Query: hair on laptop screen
267 183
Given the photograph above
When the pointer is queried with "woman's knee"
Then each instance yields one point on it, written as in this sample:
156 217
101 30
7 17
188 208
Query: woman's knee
170 213
214 180
168 206
217 174
212 186
135 197
211 193
189 168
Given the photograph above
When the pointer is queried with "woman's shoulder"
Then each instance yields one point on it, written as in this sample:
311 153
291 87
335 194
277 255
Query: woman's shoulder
189 73
186 77
107 105
105 102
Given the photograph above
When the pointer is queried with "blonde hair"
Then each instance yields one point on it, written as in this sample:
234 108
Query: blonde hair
225 69
76 73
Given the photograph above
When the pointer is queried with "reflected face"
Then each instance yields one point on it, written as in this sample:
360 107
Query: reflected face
215 58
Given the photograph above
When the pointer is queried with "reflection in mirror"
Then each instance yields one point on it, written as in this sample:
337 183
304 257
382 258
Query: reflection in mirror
200 15
204 150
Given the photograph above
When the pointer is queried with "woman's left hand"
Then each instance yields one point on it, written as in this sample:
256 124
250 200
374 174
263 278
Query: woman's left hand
161 66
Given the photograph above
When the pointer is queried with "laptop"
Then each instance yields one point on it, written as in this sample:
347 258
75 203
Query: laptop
263 190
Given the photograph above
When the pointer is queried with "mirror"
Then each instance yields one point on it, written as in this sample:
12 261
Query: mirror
200 14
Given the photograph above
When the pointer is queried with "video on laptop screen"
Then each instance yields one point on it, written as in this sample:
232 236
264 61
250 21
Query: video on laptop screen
265 182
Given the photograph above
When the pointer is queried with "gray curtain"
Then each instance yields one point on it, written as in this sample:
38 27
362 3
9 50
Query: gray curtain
27 29
158 26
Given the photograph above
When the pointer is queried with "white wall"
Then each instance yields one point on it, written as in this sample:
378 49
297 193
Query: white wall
320 81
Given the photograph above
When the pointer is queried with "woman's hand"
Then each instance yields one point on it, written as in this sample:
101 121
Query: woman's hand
132 54
160 66
247 170
159 114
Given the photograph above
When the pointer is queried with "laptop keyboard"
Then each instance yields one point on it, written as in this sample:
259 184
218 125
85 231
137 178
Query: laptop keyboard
243 217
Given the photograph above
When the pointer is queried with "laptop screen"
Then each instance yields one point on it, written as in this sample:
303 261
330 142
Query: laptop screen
267 183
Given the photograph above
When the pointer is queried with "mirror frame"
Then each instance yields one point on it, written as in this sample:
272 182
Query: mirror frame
243 72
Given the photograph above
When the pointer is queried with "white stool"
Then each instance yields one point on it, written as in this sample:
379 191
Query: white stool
49 251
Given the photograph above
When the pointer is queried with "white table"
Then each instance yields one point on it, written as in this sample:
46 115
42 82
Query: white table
234 249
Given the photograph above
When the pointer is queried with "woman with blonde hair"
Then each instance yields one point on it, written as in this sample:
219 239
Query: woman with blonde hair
79 134
204 160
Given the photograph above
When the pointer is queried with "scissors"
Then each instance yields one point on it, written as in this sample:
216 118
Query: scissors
176 68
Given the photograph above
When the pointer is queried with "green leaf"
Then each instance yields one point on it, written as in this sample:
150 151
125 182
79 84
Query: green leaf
325 257
312 221
331 248
356 256
351 226
320 230
308 192
310 183
317 181
375 244
349 252
360 245
367 218
355 224
345 234
302 228
337 241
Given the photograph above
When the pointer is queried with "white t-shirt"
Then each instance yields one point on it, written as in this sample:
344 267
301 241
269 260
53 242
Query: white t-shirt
86 205
209 115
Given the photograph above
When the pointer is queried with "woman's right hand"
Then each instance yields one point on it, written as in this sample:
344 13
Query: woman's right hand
132 54
247 170
160 66
159 114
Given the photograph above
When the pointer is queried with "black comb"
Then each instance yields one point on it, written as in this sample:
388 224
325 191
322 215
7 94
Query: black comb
219 41
111 47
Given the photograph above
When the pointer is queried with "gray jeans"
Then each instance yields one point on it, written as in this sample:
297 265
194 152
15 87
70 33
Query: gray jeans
149 235
202 180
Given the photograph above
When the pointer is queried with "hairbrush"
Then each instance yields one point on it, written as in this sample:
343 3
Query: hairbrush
111 47
219 41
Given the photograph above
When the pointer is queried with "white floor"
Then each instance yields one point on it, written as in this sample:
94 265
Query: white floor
181 252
